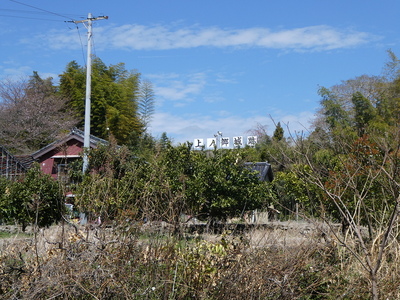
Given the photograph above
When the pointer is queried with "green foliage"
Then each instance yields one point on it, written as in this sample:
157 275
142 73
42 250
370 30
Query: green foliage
291 187
4 189
352 148
335 114
36 199
278 133
209 185
144 145
164 141
146 102
114 99
364 112
222 187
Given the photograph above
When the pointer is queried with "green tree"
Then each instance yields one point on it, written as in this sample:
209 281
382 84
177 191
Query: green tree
388 106
221 186
357 171
4 190
278 133
289 189
145 145
334 112
114 99
364 112
37 199
109 188
176 180
164 141
361 190
146 102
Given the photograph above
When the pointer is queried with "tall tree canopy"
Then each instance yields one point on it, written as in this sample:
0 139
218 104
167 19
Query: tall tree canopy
114 99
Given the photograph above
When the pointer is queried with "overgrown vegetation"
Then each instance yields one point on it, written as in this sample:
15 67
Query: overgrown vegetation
344 172
209 186
120 263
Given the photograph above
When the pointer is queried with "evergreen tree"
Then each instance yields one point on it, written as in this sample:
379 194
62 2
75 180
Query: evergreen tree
146 102
278 133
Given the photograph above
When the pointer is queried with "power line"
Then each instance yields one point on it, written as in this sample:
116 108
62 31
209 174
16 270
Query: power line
80 39
21 11
41 9
30 18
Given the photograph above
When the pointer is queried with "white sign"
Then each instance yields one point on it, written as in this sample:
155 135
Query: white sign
198 143
252 140
225 142
212 143
237 141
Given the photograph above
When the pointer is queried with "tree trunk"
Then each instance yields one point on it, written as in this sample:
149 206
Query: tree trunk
374 286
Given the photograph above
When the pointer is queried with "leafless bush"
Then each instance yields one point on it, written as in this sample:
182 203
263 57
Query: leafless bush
130 262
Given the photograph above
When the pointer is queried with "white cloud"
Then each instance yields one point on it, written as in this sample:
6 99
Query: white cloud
16 72
22 72
139 37
162 37
214 98
188 128
178 87
57 40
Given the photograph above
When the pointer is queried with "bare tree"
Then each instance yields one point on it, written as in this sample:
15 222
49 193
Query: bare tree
31 114
363 190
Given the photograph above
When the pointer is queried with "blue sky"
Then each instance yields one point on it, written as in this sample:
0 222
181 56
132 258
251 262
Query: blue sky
218 65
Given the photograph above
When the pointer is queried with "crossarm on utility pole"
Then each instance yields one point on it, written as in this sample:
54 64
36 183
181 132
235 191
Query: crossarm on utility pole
86 141
91 19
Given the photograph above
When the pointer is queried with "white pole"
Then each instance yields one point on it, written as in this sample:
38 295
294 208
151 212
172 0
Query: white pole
86 141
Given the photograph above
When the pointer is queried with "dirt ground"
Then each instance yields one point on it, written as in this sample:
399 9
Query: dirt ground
274 234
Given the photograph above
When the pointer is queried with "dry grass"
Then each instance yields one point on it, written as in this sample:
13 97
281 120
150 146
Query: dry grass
288 261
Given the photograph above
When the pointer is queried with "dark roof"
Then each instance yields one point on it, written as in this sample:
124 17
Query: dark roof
25 160
264 170
74 134
93 139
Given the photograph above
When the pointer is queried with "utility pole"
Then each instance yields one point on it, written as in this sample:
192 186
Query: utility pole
86 141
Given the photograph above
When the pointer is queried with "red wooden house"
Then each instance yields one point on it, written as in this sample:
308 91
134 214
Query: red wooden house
54 157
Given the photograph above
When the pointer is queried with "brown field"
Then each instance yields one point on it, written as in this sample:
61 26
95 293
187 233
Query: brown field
284 260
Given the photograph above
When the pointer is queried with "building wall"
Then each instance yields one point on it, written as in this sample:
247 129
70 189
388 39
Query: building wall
48 162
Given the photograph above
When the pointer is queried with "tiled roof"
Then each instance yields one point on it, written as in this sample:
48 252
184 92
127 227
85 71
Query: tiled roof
75 133
93 139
